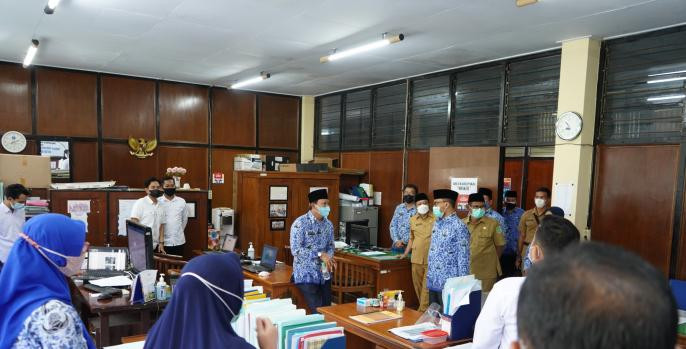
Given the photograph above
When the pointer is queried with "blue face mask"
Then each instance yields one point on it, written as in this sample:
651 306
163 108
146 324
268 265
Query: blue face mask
478 213
437 212
324 210
18 206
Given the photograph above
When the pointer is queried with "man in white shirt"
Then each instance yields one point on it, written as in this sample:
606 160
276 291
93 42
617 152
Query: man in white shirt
12 218
149 212
496 326
176 218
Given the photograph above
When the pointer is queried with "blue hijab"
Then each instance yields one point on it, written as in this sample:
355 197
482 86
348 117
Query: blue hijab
195 317
29 280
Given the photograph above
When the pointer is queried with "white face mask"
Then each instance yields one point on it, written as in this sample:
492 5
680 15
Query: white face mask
540 203
423 209
74 263
212 289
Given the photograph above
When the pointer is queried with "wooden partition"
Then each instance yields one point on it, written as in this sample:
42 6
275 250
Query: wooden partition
539 173
103 218
252 201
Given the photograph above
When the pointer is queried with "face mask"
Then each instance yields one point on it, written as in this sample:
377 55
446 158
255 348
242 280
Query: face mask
478 213
324 210
155 193
510 205
437 212
169 191
18 206
540 203
423 209
408 199
212 289
73 265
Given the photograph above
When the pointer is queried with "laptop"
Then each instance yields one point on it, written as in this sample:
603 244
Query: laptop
104 262
267 263
227 243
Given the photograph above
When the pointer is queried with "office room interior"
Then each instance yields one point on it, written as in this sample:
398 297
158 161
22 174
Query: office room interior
278 161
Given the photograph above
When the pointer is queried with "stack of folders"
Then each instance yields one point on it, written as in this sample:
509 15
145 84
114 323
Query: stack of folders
296 330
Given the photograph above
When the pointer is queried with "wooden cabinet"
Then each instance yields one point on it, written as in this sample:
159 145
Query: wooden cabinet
251 202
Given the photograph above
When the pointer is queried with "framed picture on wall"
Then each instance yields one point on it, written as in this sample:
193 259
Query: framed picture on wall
278 210
190 208
278 224
278 193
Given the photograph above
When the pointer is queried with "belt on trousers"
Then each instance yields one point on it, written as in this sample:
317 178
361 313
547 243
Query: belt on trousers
527 243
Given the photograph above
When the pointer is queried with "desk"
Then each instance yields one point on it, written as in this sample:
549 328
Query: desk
116 305
390 273
360 336
278 284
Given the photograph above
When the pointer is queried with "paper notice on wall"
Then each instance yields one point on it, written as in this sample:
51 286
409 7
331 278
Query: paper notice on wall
125 207
78 206
377 198
563 197
463 187
79 216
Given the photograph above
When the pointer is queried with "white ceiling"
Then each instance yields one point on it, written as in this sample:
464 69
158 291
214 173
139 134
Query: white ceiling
217 42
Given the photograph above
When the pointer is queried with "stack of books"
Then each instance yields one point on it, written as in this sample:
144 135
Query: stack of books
35 207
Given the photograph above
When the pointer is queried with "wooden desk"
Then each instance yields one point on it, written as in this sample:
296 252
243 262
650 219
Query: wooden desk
278 284
116 305
361 336
389 274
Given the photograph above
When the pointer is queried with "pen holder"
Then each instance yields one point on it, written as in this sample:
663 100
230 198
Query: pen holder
464 319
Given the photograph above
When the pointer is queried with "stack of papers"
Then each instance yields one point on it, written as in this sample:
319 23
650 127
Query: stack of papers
414 332
456 292
375 317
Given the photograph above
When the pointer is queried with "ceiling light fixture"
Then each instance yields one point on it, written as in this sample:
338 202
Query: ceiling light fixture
51 6
521 3
263 76
666 80
664 98
385 40
31 53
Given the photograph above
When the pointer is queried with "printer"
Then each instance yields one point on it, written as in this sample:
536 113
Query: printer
223 220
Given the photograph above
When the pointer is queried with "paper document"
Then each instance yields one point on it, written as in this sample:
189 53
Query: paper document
114 281
132 345
372 253
413 332
125 207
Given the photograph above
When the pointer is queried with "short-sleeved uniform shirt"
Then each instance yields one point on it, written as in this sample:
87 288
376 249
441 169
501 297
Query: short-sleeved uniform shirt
420 233
485 236
309 236
149 214
512 219
400 223
448 253
528 225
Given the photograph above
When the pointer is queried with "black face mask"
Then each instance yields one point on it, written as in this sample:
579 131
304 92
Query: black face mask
155 193
408 199
510 206
169 191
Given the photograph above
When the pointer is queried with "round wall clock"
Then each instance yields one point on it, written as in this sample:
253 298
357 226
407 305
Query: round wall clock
568 125
13 141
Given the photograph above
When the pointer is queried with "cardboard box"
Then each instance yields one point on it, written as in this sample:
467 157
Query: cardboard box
248 162
331 162
288 168
31 171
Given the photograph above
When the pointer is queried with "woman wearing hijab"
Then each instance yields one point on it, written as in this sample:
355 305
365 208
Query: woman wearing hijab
206 299
35 304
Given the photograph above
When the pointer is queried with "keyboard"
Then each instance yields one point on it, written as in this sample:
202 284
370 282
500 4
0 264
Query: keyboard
104 290
255 268
100 274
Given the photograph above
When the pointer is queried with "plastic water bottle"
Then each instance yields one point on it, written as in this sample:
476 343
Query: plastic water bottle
325 272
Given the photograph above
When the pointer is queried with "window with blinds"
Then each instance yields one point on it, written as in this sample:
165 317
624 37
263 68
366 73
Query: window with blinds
531 101
429 112
477 106
357 121
389 117
644 89
329 123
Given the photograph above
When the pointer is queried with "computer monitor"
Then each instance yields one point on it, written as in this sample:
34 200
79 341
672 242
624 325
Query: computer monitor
140 246
345 229
106 258
268 257
359 235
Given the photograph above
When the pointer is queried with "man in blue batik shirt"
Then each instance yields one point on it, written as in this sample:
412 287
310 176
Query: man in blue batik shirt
400 223
512 215
312 248
490 212
449 251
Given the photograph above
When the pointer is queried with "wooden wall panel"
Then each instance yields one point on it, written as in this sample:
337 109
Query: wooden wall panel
84 161
119 165
97 218
183 113
192 159
15 98
418 170
128 107
514 170
222 161
387 177
358 161
540 174
279 121
634 197
66 103
233 118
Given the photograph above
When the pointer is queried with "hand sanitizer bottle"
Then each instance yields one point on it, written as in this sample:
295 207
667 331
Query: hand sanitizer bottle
161 289
251 252
400 303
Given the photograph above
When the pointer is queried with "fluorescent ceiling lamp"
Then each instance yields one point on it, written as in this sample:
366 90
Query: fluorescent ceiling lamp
664 98
670 73
666 80
263 76
31 53
51 6
387 40
521 3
